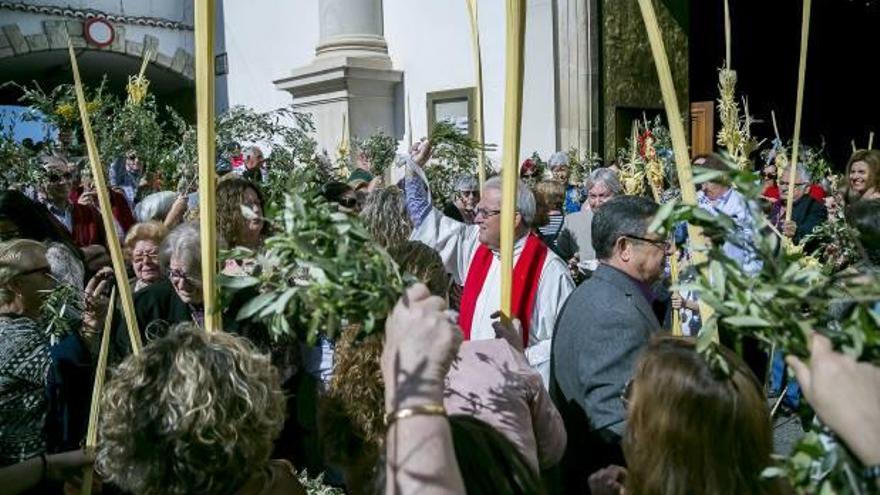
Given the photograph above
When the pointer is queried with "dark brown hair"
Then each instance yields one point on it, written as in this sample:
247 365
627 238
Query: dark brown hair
692 429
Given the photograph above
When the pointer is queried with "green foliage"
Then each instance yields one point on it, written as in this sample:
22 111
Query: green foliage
819 465
380 150
580 164
319 272
20 165
791 296
454 154
61 306
837 242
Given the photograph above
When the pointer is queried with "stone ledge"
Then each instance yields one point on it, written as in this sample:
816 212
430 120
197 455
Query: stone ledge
16 39
37 42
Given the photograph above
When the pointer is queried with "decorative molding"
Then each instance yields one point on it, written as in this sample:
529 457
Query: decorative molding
86 14
55 34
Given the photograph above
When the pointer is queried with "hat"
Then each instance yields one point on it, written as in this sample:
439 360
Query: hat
359 174
358 184
17 257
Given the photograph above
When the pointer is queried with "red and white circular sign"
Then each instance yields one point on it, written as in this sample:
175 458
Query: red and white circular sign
98 32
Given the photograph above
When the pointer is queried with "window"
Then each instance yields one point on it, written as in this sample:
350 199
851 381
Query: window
454 105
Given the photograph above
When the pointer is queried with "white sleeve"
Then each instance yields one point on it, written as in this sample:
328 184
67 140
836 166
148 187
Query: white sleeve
456 242
553 289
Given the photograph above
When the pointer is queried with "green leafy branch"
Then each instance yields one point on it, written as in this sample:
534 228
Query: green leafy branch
320 272
62 306
791 296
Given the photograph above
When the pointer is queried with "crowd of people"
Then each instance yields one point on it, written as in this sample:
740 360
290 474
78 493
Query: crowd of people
582 389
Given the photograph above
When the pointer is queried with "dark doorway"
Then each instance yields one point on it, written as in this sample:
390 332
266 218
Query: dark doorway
841 99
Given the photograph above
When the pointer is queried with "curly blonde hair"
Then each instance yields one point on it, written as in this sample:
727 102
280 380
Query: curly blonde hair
195 412
385 217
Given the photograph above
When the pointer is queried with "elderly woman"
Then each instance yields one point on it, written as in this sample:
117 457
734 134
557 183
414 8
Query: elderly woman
178 298
25 358
575 241
465 199
195 412
142 249
171 300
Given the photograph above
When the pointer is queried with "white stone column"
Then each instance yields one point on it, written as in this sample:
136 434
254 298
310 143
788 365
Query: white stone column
352 28
577 75
352 75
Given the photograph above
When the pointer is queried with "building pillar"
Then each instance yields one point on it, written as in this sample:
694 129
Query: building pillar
578 80
351 81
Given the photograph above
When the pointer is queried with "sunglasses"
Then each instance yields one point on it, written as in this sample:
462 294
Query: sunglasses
770 176
348 202
59 177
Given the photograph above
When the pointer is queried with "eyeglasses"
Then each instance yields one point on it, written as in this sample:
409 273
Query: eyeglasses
469 193
347 202
483 212
796 184
660 243
138 257
179 275
769 176
59 177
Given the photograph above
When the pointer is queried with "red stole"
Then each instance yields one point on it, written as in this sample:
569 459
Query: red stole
526 275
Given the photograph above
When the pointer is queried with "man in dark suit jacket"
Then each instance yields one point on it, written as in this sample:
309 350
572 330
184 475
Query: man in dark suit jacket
806 212
600 333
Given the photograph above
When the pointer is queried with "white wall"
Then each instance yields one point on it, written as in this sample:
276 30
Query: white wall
429 40
265 40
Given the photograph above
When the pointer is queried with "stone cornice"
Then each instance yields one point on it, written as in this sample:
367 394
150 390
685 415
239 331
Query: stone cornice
85 14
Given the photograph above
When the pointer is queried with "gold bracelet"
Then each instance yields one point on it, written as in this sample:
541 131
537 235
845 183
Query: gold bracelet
408 412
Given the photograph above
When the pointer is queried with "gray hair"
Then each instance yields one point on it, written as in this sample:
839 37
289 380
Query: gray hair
558 159
802 173
250 151
604 175
466 183
525 200
183 244
619 217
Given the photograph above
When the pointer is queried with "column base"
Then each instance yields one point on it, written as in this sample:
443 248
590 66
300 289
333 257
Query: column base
363 89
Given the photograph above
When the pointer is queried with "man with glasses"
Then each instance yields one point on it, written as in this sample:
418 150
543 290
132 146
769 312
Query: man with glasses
806 212
471 253
603 327
126 173
82 222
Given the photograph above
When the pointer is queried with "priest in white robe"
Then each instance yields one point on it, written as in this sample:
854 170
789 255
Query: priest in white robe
471 254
